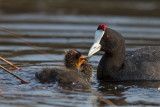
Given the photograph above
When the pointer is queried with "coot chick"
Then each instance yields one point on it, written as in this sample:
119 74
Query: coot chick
75 61
77 71
142 64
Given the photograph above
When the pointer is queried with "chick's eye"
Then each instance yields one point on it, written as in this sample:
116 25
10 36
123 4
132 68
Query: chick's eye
107 37
78 55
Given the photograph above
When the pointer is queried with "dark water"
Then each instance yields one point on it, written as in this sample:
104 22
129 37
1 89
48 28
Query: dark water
56 33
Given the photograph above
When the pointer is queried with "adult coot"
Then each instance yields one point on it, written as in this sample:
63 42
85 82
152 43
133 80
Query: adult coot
142 64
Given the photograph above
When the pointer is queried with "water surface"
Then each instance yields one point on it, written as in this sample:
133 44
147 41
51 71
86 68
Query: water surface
56 33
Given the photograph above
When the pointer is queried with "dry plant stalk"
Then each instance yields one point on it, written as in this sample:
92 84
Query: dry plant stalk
101 98
9 63
22 80
28 43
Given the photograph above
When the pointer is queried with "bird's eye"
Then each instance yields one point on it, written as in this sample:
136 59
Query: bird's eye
107 37
78 55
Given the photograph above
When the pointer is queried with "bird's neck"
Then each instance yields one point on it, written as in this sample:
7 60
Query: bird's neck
110 64
114 61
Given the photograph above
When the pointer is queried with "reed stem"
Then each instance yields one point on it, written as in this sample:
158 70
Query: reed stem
9 63
22 80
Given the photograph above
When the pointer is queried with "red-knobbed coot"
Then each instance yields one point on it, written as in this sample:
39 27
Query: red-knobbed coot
142 64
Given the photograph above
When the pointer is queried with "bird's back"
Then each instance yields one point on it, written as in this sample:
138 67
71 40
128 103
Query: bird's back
64 77
142 64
